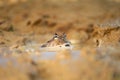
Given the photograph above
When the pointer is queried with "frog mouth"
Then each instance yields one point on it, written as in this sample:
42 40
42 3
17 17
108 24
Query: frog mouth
57 47
63 45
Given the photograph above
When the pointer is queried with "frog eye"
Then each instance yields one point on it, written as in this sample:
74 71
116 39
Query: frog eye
55 35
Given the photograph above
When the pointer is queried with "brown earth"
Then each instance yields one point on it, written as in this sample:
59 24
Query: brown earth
92 26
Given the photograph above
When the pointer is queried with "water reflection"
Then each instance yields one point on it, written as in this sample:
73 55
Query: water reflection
47 55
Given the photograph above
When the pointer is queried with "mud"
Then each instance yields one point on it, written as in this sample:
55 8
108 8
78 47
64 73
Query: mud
92 26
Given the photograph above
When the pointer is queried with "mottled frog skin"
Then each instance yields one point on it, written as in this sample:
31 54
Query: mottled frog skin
57 40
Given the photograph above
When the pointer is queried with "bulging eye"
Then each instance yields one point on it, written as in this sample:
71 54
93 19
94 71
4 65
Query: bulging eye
55 35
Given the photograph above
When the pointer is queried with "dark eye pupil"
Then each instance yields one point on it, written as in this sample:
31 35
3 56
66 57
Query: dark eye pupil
55 36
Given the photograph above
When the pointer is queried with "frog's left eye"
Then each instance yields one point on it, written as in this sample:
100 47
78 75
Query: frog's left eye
56 35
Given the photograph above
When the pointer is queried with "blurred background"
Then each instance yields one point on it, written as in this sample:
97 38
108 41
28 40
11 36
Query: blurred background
92 26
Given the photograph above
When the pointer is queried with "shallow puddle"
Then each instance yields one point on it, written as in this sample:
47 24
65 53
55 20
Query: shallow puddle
51 55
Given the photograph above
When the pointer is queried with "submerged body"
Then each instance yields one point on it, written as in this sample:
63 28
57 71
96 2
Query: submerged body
57 42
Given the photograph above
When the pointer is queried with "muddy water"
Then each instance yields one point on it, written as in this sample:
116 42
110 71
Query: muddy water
46 55
41 55
56 65
28 62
